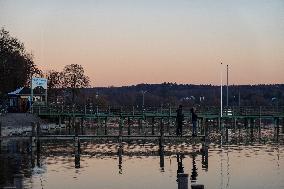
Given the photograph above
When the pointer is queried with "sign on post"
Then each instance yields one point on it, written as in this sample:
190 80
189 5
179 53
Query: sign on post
39 82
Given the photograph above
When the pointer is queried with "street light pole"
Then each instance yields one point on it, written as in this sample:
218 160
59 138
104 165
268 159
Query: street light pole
221 88
227 85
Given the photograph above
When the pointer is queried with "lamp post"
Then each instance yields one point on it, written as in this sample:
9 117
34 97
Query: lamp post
221 88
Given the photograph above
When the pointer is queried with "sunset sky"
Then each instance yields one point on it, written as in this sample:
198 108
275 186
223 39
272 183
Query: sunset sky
125 42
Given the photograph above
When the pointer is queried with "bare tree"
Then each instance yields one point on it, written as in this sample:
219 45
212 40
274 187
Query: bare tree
74 78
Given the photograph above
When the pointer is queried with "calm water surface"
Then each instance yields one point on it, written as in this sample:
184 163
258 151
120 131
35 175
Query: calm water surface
142 165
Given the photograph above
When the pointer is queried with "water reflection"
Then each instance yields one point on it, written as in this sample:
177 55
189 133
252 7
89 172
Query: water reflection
21 160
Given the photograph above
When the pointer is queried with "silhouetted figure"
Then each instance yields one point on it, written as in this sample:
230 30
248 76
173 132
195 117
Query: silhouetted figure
182 178
179 120
194 118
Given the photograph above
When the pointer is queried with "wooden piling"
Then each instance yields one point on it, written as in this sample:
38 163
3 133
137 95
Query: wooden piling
82 125
0 137
283 125
153 125
105 125
277 127
77 126
161 143
120 128
128 124
33 137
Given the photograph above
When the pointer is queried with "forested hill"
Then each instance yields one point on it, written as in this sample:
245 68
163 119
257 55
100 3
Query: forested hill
172 94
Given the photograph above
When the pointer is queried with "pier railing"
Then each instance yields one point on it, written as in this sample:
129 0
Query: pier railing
53 110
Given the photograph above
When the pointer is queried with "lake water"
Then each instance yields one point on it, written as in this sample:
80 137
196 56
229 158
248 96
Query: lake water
242 163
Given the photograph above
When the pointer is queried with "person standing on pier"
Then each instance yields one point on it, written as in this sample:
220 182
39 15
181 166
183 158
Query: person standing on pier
194 122
179 120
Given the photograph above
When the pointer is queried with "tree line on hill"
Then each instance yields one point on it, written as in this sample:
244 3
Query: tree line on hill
172 95
70 86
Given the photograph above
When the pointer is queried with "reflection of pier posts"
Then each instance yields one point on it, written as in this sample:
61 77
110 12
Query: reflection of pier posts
182 178
227 130
162 158
120 152
18 181
194 173
204 153
77 146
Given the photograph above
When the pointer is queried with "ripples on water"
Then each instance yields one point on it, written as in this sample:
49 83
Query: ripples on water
236 162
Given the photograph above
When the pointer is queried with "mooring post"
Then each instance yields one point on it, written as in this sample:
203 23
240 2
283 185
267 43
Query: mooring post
98 125
282 125
105 125
153 125
161 144
59 121
128 124
18 181
77 125
0 137
120 128
246 123
33 138
251 124
206 128
38 131
277 127
82 125
168 125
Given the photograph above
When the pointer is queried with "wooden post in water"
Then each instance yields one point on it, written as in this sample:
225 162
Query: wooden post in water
128 124
139 126
283 125
277 127
98 125
77 126
59 121
82 125
169 125
33 137
0 137
120 129
105 125
77 145
153 125
161 143
251 125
